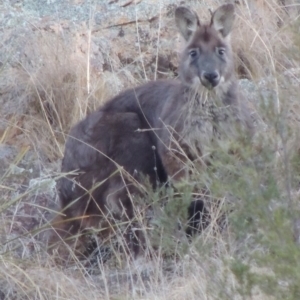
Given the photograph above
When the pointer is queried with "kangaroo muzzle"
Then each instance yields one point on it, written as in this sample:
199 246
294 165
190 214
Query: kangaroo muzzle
210 79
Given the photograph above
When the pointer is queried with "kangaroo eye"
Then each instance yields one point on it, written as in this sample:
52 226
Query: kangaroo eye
221 51
193 53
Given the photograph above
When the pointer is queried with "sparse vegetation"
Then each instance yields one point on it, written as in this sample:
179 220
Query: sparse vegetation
251 247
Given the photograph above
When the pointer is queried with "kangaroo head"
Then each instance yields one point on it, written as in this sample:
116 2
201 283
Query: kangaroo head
207 58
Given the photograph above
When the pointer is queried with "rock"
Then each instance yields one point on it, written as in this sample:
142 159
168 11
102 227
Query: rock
258 93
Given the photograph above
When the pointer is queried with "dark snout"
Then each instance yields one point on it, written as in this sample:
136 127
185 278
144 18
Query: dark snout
210 79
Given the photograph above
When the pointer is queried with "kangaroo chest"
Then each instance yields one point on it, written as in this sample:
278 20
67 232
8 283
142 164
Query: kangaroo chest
205 123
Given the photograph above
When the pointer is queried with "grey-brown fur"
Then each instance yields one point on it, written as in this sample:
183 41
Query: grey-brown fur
181 116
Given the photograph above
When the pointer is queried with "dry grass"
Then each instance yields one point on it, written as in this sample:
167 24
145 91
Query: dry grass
254 257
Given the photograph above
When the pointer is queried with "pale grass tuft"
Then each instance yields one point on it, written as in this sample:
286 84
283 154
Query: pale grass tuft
56 88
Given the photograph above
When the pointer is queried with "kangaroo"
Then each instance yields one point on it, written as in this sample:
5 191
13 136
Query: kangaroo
180 120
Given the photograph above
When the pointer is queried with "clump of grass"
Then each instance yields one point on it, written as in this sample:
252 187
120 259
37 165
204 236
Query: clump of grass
57 93
54 86
260 37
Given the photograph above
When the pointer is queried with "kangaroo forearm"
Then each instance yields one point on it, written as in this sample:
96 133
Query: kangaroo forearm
175 165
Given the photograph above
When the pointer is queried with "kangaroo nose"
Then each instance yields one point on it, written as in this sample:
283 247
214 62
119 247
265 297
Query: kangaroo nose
212 78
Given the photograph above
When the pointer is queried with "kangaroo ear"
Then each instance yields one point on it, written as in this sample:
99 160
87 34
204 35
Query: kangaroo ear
222 19
186 21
